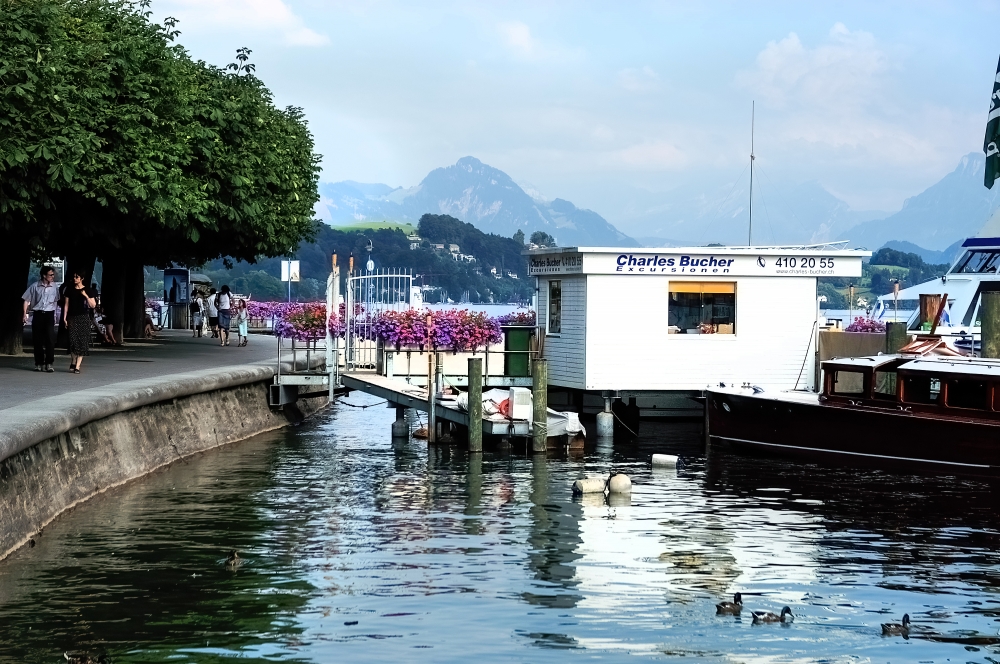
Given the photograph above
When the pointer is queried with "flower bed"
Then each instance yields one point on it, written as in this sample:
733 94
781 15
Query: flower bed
518 318
861 324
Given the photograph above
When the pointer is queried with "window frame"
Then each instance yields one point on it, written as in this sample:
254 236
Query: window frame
548 308
713 288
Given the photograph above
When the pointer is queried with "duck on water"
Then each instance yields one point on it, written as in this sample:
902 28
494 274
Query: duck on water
768 617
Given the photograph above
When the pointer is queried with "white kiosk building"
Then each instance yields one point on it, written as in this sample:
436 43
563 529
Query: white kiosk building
662 324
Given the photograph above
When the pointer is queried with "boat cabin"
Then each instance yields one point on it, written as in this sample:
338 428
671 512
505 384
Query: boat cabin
959 386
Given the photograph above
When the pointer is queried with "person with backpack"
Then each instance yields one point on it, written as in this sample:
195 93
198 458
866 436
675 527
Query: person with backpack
196 314
224 303
213 312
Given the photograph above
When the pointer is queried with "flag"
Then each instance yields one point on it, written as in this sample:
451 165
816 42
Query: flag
992 139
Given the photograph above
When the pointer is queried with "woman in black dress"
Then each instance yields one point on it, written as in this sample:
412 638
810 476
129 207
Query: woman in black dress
78 300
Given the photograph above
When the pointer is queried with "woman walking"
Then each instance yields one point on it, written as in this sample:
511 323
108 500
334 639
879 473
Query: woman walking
224 302
242 319
78 300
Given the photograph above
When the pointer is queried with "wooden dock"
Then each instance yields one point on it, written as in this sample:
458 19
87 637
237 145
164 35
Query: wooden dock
413 395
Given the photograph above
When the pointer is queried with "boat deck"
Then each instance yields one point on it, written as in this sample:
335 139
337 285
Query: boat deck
409 395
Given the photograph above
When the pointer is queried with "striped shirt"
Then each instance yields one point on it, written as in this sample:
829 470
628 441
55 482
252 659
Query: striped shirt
41 296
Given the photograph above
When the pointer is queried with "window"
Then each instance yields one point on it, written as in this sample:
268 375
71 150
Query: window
702 307
885 385
978 261
555 307
921 389
964 393
849 382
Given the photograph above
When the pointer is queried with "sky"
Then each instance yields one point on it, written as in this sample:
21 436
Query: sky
624 107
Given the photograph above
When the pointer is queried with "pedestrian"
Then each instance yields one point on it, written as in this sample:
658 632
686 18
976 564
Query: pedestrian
242 319
41 300
77 299
213 313
195 309
224 303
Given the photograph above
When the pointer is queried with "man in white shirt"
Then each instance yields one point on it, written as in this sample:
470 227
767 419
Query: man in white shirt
41 299
213 313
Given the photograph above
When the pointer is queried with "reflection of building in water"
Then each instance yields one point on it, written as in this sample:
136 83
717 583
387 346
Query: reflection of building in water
678 541
554 543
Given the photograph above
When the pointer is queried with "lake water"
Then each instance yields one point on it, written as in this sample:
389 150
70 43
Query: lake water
361 550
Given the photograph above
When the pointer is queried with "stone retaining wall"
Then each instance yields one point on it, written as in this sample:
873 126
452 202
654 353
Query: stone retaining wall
60 458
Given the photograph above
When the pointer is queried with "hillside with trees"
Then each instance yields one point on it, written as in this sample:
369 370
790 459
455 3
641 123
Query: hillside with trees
885 267
391 248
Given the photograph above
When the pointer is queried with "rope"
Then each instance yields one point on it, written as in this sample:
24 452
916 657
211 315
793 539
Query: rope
812 334
624 425
356 405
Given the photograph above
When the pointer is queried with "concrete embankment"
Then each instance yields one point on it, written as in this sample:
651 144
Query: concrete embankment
59 451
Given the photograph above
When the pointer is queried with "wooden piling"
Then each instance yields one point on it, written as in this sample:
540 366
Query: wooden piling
929 304
539 404
475 404
431 415
989 315
896 337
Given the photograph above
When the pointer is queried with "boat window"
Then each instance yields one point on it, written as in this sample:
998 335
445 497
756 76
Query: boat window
555 306
921 389
965 393
979 261
885 385
702 307
848 382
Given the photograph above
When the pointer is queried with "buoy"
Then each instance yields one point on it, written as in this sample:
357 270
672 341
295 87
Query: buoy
664 459
589 485
420 433
605 425
620 483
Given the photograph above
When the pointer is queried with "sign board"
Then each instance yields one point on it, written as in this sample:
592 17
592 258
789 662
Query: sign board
177 285
701 262
289 270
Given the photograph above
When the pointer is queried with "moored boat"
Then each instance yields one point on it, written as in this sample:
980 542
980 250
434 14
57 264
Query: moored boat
937 413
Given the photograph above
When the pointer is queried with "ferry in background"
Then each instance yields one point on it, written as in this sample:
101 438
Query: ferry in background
972 274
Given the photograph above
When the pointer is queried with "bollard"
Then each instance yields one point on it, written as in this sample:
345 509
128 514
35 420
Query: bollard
605 425
475 404
620 483
989 316
896 337
539 405
399 428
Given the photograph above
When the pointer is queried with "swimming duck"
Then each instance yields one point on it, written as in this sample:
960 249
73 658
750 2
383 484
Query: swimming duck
768 617
234 560
730 608
897 629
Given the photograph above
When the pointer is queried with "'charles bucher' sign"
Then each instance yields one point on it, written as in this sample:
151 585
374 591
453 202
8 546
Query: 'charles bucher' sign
700 262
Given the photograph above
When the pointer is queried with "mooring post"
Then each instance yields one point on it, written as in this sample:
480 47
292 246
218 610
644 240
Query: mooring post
896 337
475 404
431 415
539 404
399 428
438 382
989 316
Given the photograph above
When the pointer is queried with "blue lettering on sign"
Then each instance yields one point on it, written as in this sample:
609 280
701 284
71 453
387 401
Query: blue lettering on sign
656 261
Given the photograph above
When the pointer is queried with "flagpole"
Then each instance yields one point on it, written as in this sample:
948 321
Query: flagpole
750 230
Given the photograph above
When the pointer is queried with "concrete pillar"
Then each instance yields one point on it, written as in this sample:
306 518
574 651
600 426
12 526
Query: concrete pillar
606 421
539 405
399 428
989 315
475 404
896 337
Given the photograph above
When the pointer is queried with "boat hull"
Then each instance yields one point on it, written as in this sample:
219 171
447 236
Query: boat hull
856 435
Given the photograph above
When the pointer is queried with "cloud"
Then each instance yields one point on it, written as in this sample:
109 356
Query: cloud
518 39
268 16
656 155
638 80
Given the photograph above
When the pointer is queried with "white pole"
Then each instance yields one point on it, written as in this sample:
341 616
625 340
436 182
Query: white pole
332 284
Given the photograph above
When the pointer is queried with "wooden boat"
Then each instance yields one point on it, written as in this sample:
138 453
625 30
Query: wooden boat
933 413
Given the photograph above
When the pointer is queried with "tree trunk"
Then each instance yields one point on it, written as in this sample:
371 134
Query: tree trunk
135 299
113 294
15 256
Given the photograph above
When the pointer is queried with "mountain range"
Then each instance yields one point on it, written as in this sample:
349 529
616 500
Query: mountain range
931 224
476 193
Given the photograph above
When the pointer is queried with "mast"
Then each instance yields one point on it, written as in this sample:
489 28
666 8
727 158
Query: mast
750 230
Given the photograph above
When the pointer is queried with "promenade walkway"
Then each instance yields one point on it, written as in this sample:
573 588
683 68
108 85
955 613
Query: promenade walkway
172 352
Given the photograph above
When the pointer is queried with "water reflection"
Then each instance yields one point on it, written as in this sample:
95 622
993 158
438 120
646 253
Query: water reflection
365 548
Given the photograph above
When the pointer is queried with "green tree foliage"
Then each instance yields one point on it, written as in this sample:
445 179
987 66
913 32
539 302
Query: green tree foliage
834 298
542 239
519 237
115 144
917 270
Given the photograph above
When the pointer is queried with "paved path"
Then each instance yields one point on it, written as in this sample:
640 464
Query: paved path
174 351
